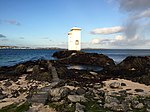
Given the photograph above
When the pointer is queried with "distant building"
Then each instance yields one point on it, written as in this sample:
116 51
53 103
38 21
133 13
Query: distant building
74 39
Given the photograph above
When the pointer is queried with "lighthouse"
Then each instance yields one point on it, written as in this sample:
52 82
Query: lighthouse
74 39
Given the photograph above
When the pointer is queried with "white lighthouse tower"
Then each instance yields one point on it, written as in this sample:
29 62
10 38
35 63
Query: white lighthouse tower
74 39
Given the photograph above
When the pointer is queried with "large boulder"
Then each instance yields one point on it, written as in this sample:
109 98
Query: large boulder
135 63
77 57
64 54
20 69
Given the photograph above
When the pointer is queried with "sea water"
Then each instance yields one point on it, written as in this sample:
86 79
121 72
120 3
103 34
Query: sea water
9 57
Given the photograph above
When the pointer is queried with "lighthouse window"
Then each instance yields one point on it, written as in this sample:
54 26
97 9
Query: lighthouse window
77 42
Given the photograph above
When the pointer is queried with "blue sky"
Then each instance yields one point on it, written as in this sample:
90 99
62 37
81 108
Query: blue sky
45 23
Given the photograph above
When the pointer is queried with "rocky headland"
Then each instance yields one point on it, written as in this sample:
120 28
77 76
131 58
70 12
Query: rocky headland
62 85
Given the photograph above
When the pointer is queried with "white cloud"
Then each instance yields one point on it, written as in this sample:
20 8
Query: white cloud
120 41
95 41
119 37
102 41
110 30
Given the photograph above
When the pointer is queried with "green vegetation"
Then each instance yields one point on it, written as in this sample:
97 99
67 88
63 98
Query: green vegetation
62 107
93 106
14 108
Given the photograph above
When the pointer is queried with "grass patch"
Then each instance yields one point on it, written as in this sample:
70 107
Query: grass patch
62 107
9 108
14 108
23 107
93 106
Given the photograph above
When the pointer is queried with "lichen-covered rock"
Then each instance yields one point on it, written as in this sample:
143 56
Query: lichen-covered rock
20 69
79 107
139 106
109 99
77 98
114 106
58 93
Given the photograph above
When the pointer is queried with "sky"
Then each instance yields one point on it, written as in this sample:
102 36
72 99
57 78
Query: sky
110 24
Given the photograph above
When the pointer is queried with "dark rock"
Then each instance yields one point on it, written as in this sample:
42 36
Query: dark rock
147 103
128 89
80 91
123 84
73 92
97 86
20 69
14 93
7 83
36 70
137 63
21 90
45 76
85 58
101 93
139 90
2 96
123 93
63 54
40 75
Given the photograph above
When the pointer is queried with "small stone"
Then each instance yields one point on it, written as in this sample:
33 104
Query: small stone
93 73
139 106
114 106
128 89
148 110
109 99
15 93
97 86
123 84
7 83
115 85
123 93
76 98
100 101
101 93
139 90
80 91
30 70
79 107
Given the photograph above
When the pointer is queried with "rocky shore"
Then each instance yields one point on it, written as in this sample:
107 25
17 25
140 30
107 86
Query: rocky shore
50 86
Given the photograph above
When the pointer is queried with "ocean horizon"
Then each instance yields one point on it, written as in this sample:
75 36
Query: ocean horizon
10 57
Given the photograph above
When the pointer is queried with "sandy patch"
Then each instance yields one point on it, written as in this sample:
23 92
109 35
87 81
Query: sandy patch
129 85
